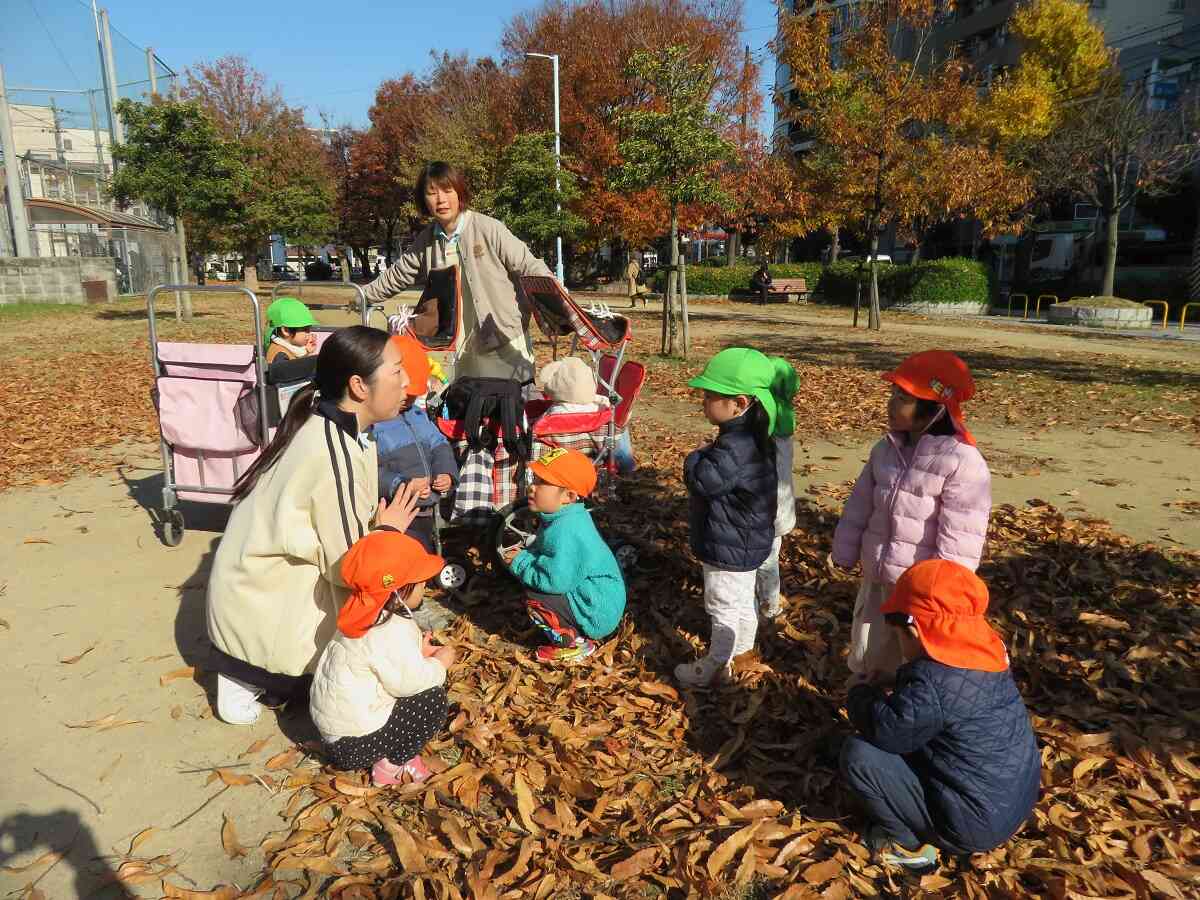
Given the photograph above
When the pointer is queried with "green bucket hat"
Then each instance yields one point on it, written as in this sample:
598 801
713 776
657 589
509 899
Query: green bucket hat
741 371
784 387
287 312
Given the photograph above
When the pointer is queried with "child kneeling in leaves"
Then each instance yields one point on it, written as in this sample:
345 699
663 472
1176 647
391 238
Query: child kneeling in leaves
576 590
948 759
378 694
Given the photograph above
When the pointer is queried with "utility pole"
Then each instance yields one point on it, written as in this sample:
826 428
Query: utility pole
12 178
108 70
553 57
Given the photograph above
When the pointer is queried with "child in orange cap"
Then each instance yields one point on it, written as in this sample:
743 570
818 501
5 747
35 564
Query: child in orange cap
926 492
378 694
411 448
948 759
576 590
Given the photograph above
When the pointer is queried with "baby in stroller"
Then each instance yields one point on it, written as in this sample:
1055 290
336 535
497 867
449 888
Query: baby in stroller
570 386
412 449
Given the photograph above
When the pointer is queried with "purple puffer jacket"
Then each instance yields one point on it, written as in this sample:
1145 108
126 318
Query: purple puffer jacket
934 504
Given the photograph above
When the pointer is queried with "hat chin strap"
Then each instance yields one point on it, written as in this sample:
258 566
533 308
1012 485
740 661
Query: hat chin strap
936 416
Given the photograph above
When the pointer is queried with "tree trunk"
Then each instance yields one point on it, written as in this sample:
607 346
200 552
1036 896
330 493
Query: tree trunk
183 299
363 265
858 294
250 267
668 314
346 263
683 305
873 319
1110 251
835 245
733 247
391 236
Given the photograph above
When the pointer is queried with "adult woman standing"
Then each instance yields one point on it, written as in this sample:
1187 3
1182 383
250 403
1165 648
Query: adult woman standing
275 587
494 329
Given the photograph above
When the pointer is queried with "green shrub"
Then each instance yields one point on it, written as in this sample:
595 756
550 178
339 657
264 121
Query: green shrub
952 280
725 280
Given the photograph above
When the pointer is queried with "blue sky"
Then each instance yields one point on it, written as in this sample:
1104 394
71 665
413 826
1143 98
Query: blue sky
327 57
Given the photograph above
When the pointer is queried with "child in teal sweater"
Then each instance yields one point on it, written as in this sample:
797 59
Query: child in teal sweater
576 590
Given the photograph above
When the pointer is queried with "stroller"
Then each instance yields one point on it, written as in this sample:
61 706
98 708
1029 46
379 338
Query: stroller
495 431
218 406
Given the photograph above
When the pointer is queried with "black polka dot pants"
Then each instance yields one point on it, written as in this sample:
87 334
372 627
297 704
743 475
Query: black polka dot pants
413 723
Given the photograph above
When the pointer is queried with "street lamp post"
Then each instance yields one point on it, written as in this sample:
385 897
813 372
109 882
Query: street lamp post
553 57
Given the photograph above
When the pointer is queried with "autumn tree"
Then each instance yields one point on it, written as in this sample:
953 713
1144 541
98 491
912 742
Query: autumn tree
596 39
357 222
174 159
895 119
289 188
673 144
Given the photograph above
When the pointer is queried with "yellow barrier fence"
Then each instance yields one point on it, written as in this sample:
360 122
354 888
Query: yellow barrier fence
1183 313
1037 307
1163 303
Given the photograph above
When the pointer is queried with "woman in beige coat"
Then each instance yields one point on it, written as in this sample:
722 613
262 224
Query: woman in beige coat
276 586
494 328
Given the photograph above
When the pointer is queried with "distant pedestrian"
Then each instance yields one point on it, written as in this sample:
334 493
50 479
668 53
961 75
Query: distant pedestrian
761 282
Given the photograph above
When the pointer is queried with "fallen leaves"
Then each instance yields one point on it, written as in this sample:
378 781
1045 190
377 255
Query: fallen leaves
106 723
185 672
229 840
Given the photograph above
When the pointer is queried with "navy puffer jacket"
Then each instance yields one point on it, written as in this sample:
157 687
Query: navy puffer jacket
732 496
966 734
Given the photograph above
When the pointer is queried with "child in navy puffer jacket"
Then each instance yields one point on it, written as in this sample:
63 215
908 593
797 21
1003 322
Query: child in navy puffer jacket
732 488
412 449
948 759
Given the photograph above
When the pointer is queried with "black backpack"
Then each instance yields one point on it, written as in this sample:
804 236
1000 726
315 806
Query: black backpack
482 402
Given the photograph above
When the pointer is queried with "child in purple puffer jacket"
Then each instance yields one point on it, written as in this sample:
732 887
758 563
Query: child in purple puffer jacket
925 492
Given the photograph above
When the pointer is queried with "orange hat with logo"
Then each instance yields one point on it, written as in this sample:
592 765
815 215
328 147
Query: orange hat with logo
377 566
415 362
946 602
568 469
941 376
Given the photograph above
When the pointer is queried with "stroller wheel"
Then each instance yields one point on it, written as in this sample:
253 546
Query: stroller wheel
453 576
172 528
627 556
513 528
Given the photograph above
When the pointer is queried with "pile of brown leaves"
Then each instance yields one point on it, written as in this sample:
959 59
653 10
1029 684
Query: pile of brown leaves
606 780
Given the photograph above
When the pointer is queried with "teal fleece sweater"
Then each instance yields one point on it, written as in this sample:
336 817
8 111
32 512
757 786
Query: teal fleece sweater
569 558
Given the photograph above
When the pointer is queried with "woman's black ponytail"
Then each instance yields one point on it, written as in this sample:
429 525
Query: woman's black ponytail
357 350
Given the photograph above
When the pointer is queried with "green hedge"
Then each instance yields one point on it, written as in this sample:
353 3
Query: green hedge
722 281
952 280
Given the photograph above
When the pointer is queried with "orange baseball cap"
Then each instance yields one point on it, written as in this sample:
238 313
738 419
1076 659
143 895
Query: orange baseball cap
376 567
415 362
941 376
946 601
568 469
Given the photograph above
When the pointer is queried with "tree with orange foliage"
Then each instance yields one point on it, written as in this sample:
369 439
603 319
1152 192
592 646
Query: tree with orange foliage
895 121
597 38
289 190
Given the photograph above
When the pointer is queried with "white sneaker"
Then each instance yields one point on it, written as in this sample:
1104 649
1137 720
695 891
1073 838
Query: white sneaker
704 672
237 702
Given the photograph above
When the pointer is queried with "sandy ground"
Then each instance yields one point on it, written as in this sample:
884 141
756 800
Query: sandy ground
98 749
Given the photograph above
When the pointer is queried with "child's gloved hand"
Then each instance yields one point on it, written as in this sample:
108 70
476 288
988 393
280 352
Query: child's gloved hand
442 483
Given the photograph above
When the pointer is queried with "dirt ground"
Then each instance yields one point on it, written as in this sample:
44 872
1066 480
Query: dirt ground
97 618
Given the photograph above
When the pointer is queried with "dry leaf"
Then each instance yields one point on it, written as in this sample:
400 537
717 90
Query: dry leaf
106 723
140 838
819 873
729 848
229 840
185 672
48 857
225 892
525 805
256 747
284 760
71 660
634 865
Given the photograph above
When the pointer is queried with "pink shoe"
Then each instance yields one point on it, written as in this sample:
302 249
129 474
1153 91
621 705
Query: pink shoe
386 772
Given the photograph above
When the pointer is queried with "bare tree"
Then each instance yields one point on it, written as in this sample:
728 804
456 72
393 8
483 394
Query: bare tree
1113 147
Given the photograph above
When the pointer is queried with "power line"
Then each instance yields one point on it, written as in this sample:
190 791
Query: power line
58 49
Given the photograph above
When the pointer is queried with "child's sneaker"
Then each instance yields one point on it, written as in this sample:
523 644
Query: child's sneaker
579 651
704 672
921 861
386 772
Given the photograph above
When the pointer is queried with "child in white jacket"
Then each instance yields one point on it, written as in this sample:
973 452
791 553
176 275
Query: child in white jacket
378 694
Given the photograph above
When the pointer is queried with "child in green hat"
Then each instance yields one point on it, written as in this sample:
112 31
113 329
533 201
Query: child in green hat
732 486
289 332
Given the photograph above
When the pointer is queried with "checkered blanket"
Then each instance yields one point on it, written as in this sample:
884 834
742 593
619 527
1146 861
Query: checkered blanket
487 481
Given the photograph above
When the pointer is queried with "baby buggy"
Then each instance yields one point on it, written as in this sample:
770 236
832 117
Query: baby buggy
496 429
217 406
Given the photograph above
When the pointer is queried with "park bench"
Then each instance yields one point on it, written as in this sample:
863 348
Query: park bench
786 289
